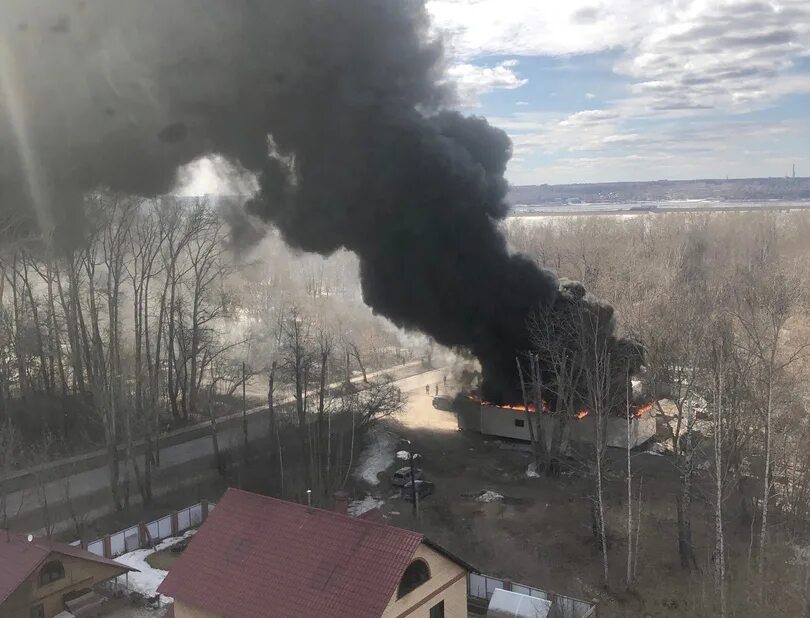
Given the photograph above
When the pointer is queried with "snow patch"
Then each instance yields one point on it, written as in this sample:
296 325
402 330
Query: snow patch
358 507
489 496
531 471
376 456
656 448
147 580
406 455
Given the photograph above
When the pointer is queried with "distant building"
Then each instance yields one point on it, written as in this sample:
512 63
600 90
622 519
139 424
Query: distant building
259 556
41 578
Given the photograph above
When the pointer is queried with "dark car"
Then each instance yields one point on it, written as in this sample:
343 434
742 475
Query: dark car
443 403
403 476
423 489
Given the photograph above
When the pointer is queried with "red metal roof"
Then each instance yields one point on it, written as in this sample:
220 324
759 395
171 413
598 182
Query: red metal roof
259 556
19 558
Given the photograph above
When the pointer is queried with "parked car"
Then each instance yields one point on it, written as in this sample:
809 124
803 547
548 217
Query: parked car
403 476
423 489
443 403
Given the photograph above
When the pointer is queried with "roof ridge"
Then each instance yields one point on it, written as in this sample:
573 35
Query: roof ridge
336 514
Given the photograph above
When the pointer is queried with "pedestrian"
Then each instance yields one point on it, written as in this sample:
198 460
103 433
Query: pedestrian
437 390
427 389
445 380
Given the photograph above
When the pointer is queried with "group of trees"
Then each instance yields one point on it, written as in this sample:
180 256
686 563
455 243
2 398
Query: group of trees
150 318
720 304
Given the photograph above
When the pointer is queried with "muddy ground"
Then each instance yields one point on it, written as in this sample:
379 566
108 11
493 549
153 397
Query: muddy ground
540 534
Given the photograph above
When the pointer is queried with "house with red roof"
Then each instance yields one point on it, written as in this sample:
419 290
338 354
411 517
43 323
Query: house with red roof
40 578
258 556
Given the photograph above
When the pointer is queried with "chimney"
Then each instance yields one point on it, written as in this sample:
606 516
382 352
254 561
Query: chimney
341 502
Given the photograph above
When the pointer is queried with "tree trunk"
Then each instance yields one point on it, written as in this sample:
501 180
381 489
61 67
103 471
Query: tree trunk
321 407
600 503
55 335
538 465
720 552
766 491
629 491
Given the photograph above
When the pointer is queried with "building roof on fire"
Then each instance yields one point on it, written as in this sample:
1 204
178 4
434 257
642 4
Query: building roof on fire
255 553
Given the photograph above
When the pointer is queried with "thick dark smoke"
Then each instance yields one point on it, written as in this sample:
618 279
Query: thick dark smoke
333 103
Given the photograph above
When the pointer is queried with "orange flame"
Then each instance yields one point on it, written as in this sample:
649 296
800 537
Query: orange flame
582 414
516 407
637 412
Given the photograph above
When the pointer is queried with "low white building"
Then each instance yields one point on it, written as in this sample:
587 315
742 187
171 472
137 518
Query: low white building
504 422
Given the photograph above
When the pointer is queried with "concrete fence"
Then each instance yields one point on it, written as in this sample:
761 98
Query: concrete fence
149 534
480 587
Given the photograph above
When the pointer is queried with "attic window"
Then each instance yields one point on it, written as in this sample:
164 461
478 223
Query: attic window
51 572
414 576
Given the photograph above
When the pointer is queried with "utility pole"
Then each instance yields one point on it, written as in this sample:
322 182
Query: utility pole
415 498
244 412
413 482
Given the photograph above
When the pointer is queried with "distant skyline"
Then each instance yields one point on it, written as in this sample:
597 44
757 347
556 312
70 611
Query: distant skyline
636 90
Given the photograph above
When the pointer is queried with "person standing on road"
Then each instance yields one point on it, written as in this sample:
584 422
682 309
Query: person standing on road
445 380
427 389
437 389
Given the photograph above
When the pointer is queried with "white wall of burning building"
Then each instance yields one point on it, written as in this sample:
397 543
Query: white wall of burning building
506 422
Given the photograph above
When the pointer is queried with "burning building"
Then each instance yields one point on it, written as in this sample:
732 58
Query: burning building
510 421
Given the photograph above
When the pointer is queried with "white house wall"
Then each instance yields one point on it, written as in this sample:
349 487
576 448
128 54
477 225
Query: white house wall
506 423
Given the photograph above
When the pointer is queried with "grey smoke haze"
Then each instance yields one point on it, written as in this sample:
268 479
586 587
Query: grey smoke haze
334 104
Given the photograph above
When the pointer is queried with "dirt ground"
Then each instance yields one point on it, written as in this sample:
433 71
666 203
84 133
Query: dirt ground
540 534
163 559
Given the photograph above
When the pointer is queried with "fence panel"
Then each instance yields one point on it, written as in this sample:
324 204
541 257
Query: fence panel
538 594
96 547
492 585
195 514
183 520
164 527
118 544
477 586
132 539
520 589
152 528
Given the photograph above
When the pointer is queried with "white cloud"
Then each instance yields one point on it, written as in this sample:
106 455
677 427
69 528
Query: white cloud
731 55
522 103
472 81
532 27
693 66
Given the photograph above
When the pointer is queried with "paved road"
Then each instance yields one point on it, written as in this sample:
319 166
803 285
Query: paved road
95 481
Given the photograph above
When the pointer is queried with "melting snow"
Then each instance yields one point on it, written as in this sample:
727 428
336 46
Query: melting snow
149 578
406 455
531 471
376 456
358 507
489 496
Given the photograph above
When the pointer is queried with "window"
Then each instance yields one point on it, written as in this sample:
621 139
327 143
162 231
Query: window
519 422
52 571
38 611
414 576
437 611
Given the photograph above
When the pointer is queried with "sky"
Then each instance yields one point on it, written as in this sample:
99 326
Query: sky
594 91
622 90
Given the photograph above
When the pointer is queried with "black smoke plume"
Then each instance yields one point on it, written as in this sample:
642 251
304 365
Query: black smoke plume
335 104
